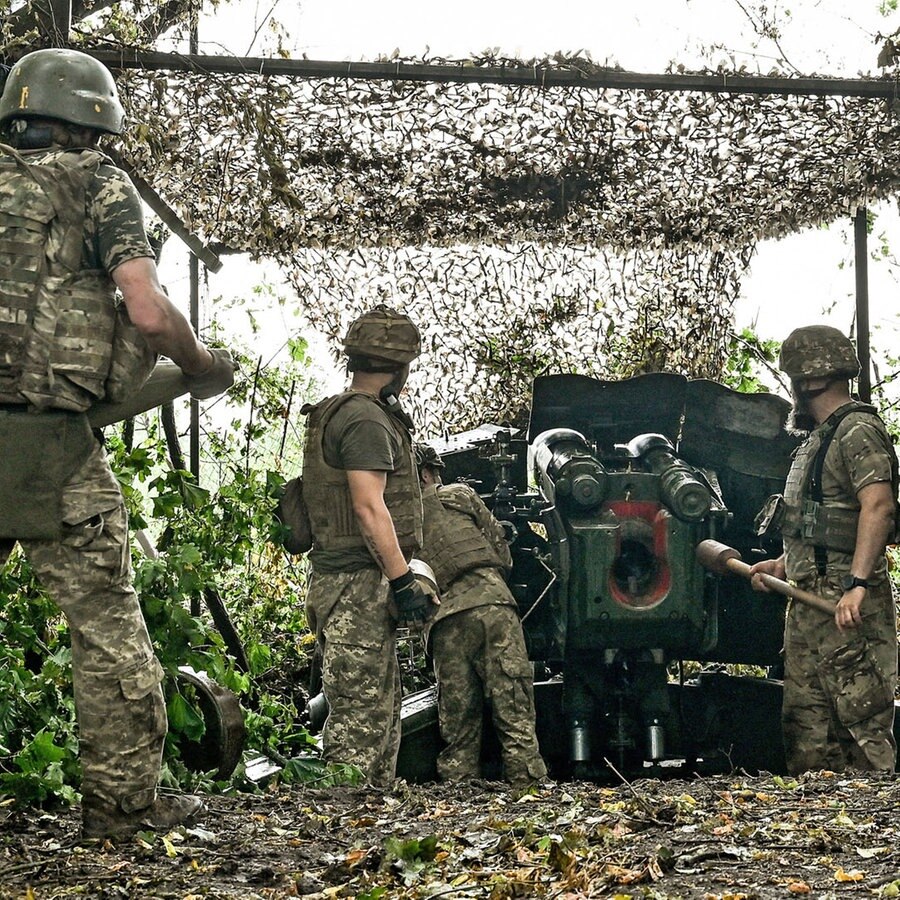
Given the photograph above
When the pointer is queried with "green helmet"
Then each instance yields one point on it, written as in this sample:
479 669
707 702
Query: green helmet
426 455
818 351
62 84
383 334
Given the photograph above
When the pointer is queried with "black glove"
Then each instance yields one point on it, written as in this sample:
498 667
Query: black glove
216 379
413 604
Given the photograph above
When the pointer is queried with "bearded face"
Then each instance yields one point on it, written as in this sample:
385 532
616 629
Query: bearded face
801 420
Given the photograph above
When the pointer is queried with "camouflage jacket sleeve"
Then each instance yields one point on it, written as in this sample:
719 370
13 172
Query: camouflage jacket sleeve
116 231
465 500
865 450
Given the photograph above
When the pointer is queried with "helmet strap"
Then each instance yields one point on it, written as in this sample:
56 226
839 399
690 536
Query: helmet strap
811 394
367 364
25 135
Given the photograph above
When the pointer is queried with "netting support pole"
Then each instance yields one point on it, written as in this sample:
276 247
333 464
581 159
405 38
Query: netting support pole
860 235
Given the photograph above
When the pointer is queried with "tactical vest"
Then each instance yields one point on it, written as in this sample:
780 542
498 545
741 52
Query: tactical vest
327 493
452 541
58 321
824 525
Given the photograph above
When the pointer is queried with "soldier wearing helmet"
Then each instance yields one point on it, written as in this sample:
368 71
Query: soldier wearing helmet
82 317
840 512
362 491
476 638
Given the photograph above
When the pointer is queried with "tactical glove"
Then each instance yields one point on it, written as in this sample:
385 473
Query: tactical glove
216 379
414 605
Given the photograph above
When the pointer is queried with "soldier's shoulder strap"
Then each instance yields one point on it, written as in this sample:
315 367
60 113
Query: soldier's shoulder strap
827 435
335 400
832 423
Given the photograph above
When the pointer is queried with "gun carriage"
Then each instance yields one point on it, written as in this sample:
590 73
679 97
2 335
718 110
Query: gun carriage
607 495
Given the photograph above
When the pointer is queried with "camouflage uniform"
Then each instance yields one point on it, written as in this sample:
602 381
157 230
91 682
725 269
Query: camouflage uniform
348 602
350 612
87 571
839 686
479 649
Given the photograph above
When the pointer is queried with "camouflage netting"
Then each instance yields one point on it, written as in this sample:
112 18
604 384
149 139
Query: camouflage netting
530 229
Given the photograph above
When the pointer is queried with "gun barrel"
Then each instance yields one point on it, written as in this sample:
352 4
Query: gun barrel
567 469
681 490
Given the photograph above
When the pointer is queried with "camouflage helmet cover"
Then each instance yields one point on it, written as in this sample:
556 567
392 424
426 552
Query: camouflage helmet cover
818 351
383 334
426 455
62 84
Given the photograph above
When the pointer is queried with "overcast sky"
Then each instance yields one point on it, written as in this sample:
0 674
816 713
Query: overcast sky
828 36
791 281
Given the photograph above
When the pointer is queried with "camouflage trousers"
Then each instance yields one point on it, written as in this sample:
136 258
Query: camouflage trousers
479 654
360 674
838 709
118 696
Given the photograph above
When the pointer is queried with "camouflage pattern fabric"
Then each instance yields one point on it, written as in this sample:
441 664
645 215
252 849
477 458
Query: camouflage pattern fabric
114 231
859 455
118 697
117 680
838 705
838 709
114 226
351 616
480 654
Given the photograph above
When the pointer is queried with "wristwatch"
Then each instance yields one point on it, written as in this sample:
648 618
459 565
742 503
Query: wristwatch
848 582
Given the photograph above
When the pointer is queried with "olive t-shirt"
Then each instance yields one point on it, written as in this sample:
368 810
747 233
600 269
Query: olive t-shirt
358 437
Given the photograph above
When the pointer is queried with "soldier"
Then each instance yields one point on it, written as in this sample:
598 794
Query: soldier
71 233
476 637
840 505
362 492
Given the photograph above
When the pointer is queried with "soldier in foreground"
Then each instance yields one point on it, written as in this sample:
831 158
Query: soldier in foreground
361 490
840 505
71 233
476 637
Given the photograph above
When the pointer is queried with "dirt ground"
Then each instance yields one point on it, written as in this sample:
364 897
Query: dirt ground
730 838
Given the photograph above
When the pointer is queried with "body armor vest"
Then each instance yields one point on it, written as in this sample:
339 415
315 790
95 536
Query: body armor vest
58 320
824 525
327 493
452 542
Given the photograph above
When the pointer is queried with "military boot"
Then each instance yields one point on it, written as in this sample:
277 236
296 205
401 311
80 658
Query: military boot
100 819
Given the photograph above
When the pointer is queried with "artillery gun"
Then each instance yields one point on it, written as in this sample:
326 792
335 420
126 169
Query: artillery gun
645 662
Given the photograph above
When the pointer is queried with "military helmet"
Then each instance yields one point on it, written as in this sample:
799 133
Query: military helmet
383 334
62 84
818 351
426 455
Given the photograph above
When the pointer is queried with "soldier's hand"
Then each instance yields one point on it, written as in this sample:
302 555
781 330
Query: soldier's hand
217 378
414 605
848 613
773 567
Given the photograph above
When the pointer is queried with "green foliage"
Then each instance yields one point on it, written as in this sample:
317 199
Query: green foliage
748 356
213 539
38 743
410 857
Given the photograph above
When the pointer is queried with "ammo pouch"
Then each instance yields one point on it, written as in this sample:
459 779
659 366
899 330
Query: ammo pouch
822 526
39 453
292 513
860 687
132 360
770 518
